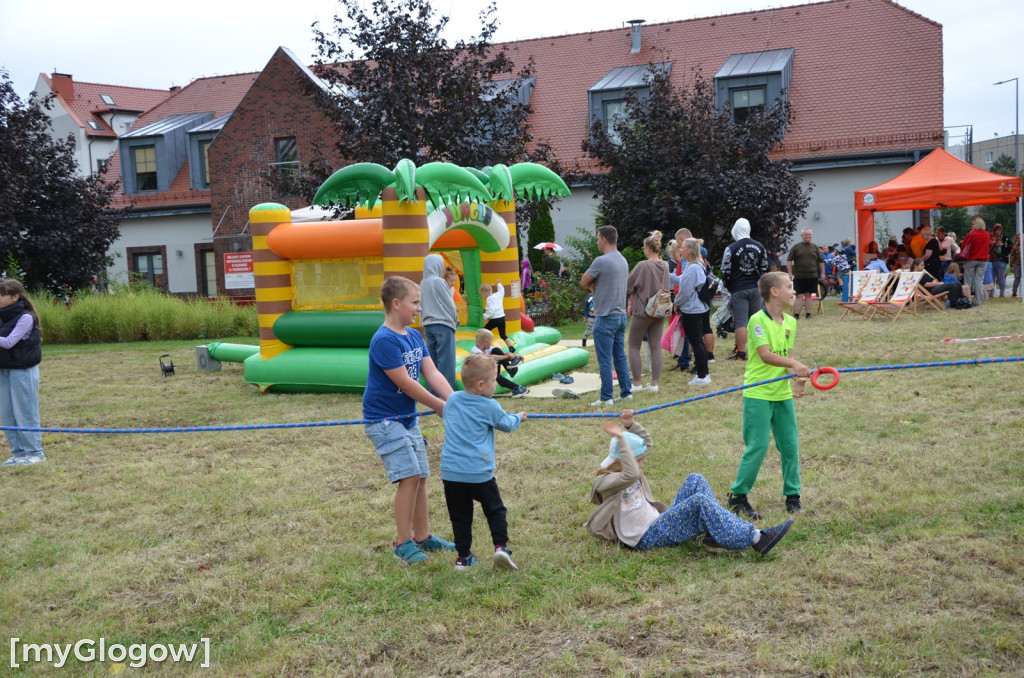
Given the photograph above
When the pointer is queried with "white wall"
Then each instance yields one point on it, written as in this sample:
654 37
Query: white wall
173 232
86 155
832 199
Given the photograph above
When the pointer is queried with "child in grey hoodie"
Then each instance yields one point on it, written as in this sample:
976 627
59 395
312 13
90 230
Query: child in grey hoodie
439 316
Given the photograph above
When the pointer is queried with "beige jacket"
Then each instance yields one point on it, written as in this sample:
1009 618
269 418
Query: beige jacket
607 488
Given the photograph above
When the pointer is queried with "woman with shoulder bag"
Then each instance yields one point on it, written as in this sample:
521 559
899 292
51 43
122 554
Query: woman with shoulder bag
647 279
974 254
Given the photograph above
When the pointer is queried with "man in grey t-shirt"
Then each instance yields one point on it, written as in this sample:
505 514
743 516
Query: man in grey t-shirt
607 278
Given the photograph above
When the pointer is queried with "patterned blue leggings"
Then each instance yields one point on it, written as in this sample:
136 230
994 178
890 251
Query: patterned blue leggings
694 512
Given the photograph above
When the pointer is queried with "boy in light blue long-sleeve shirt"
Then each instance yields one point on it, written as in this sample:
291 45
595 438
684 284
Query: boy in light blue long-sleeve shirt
468 463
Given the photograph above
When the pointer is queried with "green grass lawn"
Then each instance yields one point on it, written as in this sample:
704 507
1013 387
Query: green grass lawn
275 544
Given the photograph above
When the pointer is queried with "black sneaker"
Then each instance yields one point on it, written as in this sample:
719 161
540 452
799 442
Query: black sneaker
770 537
793 504
584 342
807 316
738 355
692 370
739 505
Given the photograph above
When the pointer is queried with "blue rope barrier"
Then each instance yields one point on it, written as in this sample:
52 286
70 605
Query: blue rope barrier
573 415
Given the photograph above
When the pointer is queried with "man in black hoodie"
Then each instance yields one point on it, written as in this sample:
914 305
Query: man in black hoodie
743 264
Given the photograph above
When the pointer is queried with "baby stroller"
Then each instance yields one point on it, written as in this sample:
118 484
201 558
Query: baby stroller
835 269
722 319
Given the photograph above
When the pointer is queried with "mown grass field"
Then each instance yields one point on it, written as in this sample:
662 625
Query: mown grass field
276 544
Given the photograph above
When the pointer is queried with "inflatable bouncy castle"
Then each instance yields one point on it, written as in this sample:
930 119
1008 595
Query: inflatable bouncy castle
318 283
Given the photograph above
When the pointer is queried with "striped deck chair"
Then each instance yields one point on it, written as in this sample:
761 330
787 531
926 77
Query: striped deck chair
868 293
924 298
902 299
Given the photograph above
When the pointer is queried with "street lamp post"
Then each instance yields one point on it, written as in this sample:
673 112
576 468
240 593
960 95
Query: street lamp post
1016 165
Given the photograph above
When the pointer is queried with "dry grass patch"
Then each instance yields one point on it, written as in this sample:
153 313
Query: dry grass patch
275 544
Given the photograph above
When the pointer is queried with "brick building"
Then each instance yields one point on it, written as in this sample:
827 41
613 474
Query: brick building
864 78
272 130
162 164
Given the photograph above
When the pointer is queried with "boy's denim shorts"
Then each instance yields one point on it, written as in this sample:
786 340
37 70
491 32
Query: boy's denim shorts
403 450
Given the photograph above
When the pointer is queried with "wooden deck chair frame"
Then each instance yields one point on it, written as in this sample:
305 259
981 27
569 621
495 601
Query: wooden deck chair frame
902 298
924 296
869 293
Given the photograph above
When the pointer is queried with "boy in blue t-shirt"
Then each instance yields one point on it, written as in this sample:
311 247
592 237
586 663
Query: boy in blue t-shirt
398 356
467 460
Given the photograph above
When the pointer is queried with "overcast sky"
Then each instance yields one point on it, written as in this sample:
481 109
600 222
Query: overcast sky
157 45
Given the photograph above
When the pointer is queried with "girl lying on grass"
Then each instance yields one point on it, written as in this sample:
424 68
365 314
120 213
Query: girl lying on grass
627 512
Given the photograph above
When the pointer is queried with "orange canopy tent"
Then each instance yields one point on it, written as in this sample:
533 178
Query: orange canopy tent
936 182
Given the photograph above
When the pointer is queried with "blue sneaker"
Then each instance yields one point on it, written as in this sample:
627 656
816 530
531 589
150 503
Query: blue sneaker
408 552
503 559
433 543
24 460
465 563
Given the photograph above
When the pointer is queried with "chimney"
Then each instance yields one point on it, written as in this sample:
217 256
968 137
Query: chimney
63 86
635 25
174 88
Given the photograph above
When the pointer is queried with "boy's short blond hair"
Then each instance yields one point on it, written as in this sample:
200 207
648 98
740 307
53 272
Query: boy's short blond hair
396 287
485 290
482 334
476 368
769 280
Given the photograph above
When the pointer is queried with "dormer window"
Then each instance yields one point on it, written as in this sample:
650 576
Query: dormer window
608 96
750 81
107 99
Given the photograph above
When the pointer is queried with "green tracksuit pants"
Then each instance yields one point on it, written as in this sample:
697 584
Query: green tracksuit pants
761 417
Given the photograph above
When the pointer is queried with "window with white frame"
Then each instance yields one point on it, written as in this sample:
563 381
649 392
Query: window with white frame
145 168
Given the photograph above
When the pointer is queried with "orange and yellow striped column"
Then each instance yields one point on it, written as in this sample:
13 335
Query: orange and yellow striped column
504 266
273 276
406 236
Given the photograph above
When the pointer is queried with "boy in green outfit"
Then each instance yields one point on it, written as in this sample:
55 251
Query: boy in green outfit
769 408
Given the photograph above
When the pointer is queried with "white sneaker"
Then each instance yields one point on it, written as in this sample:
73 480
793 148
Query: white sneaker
651 388
705 381
629 397
698 381
602 403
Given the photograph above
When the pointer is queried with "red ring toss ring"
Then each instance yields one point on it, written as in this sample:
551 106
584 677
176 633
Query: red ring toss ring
825 370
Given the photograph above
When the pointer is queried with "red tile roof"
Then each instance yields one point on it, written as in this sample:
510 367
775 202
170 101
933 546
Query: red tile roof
178 195
87 103
218 94
867 74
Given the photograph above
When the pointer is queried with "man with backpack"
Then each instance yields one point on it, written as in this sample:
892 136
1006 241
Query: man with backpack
743 264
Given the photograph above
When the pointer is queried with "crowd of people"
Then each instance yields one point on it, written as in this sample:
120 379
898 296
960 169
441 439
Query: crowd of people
979 261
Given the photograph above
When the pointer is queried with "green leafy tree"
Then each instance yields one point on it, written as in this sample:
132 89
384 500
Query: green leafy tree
541 229
954 219
1004 164
1005 214
56 226
400 90
676 160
